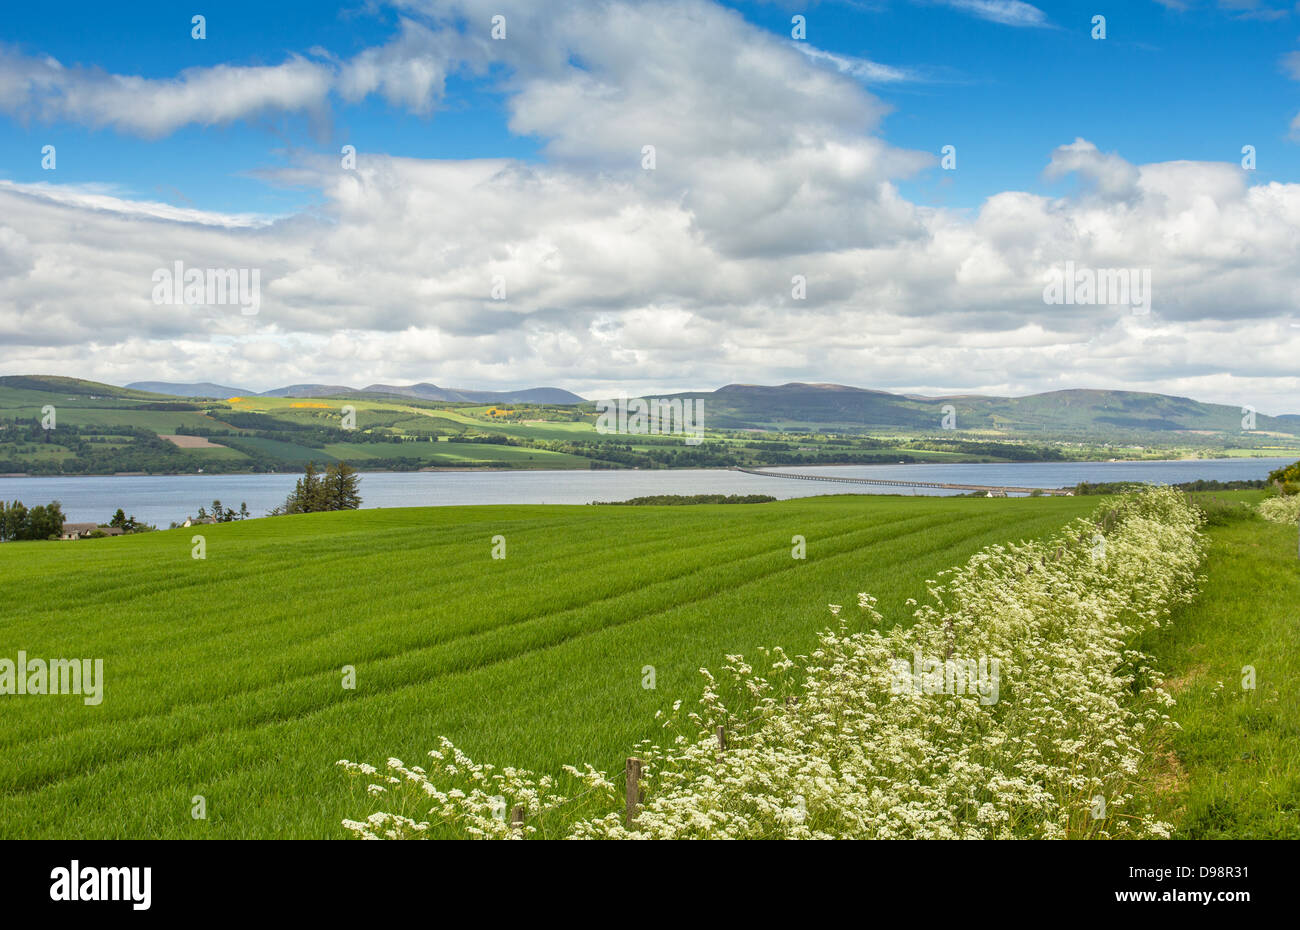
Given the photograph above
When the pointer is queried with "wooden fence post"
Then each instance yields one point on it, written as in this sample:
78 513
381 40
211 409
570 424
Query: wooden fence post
722 739
517 818
633 788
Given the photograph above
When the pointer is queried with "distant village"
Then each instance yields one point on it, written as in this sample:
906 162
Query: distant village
122 525
337 488
19 523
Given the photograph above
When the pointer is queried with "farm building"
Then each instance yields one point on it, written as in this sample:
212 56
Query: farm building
82 530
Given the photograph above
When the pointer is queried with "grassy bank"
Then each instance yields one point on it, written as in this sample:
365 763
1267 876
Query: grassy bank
1234 769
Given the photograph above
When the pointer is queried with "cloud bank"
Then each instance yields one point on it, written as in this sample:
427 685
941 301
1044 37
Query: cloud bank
769 168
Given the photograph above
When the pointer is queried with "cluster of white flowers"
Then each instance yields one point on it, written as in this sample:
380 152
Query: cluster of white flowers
479 804
829 746
1281 509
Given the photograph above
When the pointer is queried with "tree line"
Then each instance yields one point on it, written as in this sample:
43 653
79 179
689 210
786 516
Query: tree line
18 522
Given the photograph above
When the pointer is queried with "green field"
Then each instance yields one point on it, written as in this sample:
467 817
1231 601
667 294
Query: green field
1234 768
224 676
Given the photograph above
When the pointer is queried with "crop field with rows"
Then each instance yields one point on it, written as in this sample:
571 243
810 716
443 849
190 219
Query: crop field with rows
224 677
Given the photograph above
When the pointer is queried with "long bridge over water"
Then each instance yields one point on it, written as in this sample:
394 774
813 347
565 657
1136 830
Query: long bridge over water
900 483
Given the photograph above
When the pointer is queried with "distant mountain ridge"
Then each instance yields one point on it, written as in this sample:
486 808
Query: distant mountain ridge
425 391
422 391
751 406
199 389
798 405
308 390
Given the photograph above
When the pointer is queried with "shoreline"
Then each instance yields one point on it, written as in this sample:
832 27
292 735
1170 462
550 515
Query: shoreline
718 468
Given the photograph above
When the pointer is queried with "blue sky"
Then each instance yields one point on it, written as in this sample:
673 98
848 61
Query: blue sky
217 167
520 161
1166 84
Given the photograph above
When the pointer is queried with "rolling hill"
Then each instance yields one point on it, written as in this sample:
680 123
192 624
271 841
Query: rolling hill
102 429
748 406
753 406
422 391
199 389
309 390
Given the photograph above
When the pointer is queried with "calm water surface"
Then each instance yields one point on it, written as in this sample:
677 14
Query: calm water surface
161 499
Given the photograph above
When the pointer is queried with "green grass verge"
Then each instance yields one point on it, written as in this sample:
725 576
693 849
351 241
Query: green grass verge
1234 768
